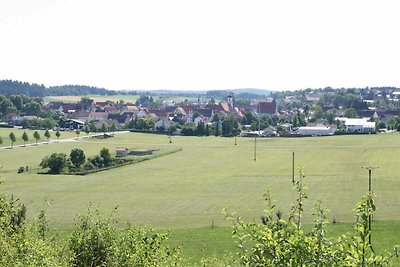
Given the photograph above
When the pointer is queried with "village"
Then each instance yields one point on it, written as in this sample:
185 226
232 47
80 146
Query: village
288 114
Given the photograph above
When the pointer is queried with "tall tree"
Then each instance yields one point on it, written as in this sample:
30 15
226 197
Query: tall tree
217 128
103 128
105 155
86 130
12 138
113 128
58 134
36 135
25 138
47 135
78 132
77 157
56 162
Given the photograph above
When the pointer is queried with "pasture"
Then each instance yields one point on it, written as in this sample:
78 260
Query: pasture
187 190
115 98
97 98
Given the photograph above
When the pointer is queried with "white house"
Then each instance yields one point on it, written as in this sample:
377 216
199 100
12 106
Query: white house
316 130
142 113
360 126
163 124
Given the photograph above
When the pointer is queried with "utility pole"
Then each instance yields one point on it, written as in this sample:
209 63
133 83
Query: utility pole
255 148
369 168
293 167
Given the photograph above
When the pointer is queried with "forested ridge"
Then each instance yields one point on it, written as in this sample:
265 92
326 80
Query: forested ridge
10 87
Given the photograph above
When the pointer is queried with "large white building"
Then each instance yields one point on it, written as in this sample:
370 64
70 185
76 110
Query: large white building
316 130
360 126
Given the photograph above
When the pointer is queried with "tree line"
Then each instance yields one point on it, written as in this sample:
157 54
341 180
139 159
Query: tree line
10 87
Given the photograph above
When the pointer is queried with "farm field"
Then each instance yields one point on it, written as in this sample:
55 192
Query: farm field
186 191
114 98
98 98
218 242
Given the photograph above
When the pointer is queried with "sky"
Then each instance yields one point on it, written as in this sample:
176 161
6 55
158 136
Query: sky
201 45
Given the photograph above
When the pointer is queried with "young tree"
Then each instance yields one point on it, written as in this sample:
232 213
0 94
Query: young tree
58 134
86 130
1 140
36 135
113 128
201 130
103 128
105 155
217 128
78 132
77 157
12 138
25 137
47 135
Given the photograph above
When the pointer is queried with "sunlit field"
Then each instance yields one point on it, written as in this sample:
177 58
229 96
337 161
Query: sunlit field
187 190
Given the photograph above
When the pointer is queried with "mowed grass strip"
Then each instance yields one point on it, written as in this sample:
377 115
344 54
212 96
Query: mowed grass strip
190 188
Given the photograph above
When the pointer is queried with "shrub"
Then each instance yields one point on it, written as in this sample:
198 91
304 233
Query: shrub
279 242
97 161
25 244
88 166
96 241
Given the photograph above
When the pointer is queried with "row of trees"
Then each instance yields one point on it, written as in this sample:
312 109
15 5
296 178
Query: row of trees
225 127
25 137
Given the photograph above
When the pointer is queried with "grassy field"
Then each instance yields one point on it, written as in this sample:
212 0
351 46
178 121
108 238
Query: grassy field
113 98
186 191
98 98
218 242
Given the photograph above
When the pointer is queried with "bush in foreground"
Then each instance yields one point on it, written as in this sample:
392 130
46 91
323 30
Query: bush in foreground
279 242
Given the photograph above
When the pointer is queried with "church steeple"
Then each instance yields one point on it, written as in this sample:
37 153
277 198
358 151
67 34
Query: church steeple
229 99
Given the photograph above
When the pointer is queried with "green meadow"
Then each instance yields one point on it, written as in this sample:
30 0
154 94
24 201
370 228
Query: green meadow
114 98
97 98
186 191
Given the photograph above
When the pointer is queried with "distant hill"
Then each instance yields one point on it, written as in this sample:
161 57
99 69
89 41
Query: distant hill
10 87
205 92
252 91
